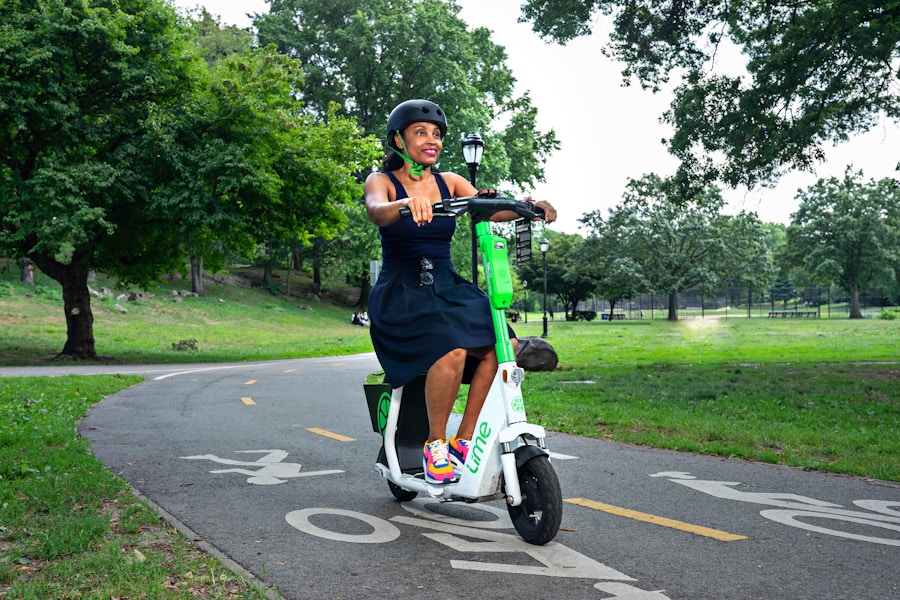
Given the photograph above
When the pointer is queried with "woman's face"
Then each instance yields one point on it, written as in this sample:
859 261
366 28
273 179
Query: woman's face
423 142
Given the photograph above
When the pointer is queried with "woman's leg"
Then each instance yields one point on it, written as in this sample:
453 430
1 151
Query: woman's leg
479 388
441 388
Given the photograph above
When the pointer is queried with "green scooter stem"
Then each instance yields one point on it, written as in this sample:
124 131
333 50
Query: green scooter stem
495 258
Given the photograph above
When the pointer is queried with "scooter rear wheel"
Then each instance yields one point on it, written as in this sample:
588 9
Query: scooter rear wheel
401 494
538 518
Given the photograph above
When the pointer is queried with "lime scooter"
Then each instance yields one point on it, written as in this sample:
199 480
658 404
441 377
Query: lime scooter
508 457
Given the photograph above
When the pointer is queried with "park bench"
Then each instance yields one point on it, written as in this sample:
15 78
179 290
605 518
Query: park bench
793 314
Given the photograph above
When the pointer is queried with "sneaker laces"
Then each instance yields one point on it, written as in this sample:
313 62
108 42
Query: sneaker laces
438 451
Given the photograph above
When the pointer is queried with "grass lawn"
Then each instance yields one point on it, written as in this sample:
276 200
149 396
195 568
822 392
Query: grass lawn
228 324
813 393
69 528
819 394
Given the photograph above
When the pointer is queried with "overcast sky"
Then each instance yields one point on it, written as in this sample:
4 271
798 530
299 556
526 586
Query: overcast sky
608 133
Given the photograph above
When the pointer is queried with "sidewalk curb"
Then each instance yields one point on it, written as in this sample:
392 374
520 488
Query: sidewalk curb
238 570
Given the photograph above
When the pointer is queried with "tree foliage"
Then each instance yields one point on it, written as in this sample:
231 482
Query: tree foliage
613 263
122 151
847 232
567 279
249 166
682 243
216 40
371 56
816 73
78 83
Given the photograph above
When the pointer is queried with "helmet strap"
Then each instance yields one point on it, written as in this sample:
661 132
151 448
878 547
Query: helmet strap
414 167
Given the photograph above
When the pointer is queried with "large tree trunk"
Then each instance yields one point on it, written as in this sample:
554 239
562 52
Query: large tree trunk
73 278
317 277
287 282
267 266
364 289
197 275
673 306
855 312
27 276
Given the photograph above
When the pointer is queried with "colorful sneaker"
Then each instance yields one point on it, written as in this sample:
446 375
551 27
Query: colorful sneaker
458 450
437 467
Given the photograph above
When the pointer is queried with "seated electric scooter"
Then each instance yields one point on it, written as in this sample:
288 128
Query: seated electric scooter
507 457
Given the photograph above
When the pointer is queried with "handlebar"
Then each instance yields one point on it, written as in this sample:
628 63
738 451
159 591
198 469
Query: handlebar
482 209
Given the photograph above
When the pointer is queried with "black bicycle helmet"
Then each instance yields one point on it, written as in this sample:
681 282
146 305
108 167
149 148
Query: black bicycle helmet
413 111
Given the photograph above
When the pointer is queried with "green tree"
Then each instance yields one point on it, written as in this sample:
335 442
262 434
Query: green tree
350 247
125 153
565 277
249 167
371 56
847 232
79 83
816 72
216 40
681 243
613 263
782 291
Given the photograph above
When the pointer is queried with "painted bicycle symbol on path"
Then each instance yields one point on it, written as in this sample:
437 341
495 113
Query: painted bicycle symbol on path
465 536
476 537
269 469
796 511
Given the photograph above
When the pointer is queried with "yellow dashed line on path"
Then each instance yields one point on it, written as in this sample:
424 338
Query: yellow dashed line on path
289 371
330 434
248 401
715 534
251 382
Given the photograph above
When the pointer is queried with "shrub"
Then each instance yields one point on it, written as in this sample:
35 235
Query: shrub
50 293
583 315
185 345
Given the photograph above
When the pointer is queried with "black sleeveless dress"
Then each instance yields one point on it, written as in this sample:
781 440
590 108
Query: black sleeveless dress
414 323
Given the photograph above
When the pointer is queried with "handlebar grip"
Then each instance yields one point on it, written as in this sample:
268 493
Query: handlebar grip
538 211
452 207
438 207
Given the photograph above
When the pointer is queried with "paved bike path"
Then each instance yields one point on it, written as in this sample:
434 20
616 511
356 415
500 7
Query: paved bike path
272 464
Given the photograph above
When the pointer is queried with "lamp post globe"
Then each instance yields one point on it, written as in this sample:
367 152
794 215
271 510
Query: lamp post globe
473 150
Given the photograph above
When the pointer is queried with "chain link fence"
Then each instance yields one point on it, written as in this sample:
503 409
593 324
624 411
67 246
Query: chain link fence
742 302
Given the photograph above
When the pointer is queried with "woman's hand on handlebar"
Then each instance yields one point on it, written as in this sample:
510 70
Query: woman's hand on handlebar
549 211
420 209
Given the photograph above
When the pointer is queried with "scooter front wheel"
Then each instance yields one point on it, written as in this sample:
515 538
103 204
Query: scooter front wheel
538 518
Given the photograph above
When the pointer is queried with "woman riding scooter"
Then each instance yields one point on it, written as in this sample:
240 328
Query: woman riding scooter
424 317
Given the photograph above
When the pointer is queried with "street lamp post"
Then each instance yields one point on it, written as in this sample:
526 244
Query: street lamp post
473 148
545 245
525 291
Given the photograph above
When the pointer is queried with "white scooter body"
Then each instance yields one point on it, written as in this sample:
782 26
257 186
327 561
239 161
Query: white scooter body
507 455
491 463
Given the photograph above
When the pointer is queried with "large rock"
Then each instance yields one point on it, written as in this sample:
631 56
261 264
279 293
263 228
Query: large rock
536 354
